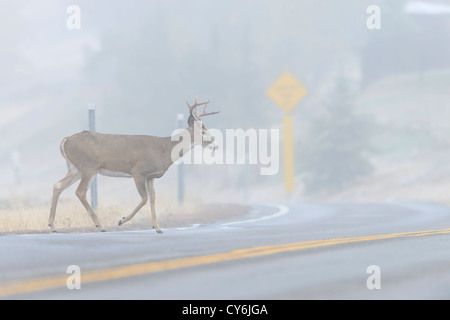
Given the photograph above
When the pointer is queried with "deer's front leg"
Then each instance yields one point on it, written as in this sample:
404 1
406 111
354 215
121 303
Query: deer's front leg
151 193
58 188
140 185
81 194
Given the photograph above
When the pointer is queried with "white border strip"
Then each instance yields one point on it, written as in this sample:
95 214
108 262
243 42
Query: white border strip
282 210
196 225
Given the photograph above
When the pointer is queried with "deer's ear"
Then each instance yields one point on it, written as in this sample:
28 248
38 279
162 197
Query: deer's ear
191 121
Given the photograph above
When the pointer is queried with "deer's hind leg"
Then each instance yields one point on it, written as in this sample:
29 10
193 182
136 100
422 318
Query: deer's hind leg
70 178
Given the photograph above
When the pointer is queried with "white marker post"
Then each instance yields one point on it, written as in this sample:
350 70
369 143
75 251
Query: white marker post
94 201
180 119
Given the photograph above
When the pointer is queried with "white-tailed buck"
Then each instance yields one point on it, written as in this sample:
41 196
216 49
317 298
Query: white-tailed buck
143 158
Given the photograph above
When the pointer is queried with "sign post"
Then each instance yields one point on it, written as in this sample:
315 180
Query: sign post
180 119
94 200
287 92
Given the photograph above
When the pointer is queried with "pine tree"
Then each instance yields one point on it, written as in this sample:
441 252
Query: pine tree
334 158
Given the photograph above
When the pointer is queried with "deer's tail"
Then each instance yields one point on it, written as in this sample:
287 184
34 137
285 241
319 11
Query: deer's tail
70 166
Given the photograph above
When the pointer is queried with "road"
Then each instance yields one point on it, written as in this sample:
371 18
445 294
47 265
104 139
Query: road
298 251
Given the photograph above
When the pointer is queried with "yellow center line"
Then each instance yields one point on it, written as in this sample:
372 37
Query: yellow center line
39 284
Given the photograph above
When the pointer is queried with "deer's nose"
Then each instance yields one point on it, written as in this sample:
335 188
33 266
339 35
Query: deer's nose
213 146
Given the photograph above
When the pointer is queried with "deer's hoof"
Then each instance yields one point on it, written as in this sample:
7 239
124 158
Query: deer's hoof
159 231
103 230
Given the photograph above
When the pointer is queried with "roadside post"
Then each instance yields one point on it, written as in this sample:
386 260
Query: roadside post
93 187
180 120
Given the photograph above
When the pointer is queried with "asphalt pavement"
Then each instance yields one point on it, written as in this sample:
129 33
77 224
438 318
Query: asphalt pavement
296 251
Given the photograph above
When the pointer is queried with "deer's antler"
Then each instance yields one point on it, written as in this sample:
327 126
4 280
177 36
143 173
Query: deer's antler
193 109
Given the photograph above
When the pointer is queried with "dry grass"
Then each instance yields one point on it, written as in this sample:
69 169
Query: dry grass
19 217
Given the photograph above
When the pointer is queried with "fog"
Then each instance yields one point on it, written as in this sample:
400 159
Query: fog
373 126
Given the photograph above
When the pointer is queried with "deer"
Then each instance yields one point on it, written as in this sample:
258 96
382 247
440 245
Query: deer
141 157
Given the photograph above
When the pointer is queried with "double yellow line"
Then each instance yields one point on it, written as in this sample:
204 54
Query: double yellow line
39 284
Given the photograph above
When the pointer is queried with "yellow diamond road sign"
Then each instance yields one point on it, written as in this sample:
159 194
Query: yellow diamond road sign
286 91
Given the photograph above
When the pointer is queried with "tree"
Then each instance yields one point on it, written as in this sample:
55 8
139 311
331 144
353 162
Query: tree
334 157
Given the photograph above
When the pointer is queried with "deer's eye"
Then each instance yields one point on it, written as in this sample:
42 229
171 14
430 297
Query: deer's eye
204 132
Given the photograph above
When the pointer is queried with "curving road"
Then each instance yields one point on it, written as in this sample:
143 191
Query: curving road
300 251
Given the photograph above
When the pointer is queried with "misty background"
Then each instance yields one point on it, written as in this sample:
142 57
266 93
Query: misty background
374 126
